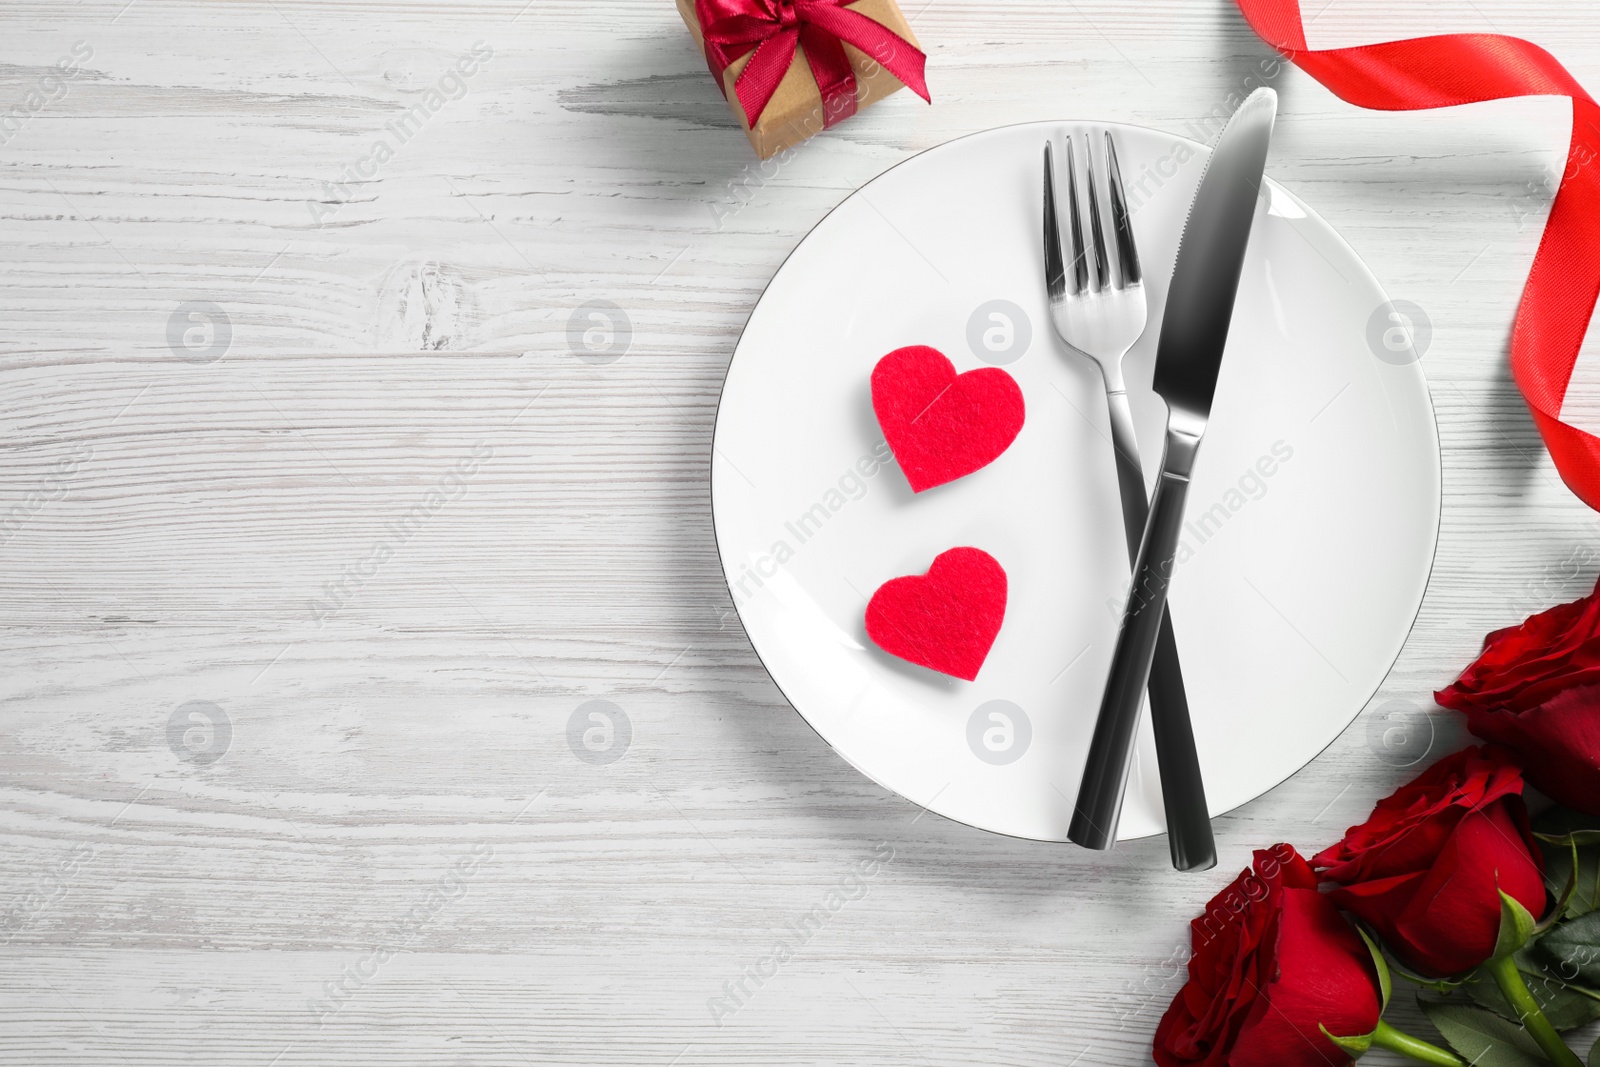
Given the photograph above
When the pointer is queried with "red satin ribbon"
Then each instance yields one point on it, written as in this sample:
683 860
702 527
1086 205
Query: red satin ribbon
774 29
1559 297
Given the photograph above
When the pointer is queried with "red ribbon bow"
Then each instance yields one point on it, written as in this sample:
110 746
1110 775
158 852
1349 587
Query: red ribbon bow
773 29
1559 297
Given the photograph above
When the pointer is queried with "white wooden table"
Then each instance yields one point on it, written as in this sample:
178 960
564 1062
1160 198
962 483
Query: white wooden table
370 512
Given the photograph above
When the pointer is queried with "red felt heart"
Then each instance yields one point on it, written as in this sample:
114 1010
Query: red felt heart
940 424
945 620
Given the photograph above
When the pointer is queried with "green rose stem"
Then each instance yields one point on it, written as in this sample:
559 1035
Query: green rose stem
1386 1036
1504 971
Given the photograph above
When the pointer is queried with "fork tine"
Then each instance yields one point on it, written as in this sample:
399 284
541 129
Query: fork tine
1127 254
1101 272
1055 269
1080 266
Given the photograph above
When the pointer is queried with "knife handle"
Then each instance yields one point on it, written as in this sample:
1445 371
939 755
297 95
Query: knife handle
1105 774
1183 790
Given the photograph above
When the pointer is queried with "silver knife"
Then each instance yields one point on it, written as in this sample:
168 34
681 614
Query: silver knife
1194 332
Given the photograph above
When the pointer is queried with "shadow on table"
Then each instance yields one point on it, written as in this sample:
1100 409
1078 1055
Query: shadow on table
1247 64
667 82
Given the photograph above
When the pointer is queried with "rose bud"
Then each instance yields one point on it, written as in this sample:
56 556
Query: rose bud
1426 868
1536 690
1273 964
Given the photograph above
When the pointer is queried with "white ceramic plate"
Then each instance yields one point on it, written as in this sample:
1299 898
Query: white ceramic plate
1312 517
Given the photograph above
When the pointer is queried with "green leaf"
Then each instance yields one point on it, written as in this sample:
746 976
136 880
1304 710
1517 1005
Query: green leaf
1516 926
1581 838
1561 832
1381 965
1566 1009
1483 1037
1356 1046
1594 1054
1557 821
1573 949
1537 968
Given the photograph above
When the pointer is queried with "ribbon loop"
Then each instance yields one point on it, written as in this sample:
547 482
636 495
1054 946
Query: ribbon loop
1559 298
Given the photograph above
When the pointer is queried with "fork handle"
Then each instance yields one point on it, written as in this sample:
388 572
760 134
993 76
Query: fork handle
1183 789
1130 476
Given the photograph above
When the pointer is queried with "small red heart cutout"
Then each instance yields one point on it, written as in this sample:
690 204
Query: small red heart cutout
945 620
940 424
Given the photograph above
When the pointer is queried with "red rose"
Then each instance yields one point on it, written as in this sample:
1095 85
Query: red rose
1425 867
1536 690
1273 963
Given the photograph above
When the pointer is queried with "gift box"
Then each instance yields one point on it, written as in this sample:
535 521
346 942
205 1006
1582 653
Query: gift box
792 68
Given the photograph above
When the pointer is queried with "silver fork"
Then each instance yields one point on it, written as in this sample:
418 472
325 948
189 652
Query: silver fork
1099 308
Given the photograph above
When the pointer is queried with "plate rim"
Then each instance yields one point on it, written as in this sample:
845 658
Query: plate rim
1432 424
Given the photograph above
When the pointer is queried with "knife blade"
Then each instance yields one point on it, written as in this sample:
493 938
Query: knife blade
1194 333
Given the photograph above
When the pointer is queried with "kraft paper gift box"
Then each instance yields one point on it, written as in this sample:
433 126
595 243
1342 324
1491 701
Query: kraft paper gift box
796 109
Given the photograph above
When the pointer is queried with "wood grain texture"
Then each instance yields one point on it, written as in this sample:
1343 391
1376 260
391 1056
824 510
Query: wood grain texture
398 781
